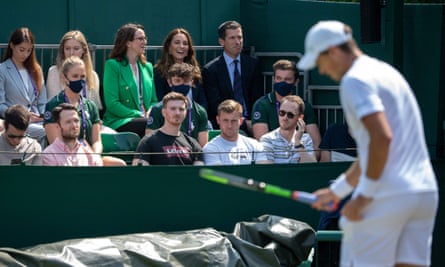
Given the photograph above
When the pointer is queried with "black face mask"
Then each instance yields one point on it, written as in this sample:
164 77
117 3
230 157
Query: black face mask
182 89
77 86
284 88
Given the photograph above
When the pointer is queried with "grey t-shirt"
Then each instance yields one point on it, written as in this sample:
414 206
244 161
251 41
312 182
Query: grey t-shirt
28 151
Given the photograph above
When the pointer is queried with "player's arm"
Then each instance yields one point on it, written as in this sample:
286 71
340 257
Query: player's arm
339 189
380 135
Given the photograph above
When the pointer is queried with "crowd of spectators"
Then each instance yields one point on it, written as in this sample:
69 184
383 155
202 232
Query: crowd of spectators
225 95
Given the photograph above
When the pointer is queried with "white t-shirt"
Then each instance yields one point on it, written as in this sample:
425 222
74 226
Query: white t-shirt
245 150
371 86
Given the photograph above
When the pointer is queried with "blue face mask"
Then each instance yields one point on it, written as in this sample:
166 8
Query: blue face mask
182 89
77 86
284 88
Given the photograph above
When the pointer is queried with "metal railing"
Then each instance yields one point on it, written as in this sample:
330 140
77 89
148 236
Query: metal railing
321 96
47 53
326 113
271 57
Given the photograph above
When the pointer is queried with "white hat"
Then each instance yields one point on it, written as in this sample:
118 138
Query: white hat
319 38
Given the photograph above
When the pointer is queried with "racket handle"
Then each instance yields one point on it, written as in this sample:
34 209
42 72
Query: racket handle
309 198
304 197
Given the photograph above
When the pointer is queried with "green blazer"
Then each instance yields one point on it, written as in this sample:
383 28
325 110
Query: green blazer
121 92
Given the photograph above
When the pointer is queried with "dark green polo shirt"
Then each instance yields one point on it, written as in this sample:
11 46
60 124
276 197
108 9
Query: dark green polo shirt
198 119
91 114
265 111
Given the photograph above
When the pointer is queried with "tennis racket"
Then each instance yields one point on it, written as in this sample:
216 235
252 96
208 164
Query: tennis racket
250 184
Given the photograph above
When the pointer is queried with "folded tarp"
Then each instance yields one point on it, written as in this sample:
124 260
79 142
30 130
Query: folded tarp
276 243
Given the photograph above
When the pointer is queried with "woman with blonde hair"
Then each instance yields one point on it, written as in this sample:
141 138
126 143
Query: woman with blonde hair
73 76
74 43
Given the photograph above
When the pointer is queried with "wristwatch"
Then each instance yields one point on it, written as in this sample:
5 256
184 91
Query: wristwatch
299 146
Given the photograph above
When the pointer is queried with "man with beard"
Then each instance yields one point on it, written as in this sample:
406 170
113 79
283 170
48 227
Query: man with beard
180 79
289 143
68 150
265 110
168 145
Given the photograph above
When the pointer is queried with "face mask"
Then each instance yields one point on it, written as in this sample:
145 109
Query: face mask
77 86
182 89
284 88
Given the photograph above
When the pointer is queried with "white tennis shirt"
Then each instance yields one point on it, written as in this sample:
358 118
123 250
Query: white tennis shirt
371 86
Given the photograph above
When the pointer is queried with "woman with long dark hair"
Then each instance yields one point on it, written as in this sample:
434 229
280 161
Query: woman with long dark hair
21 80
178 48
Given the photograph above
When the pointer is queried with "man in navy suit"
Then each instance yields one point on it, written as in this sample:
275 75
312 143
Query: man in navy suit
232 75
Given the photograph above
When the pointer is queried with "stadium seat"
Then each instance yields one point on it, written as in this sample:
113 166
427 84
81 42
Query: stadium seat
214 133
121 141
121 145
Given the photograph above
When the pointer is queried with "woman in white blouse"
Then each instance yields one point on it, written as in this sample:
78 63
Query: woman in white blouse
74 43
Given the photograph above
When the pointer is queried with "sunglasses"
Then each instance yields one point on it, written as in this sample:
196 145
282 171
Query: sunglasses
12 136
289 115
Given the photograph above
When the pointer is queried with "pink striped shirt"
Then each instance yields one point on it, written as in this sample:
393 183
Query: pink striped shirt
59 154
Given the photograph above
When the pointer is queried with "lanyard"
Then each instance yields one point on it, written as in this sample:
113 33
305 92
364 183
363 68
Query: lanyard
190 111
36 93
277 105
140 89
82 108
190 128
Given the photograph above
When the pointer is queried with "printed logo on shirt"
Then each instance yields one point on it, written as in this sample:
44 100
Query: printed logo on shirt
177 152
150 120
47 115
257 115
238 154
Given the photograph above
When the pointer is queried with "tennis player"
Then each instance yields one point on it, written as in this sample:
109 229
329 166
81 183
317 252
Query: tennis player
390 218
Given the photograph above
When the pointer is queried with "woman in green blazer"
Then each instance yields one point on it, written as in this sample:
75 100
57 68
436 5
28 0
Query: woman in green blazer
129 90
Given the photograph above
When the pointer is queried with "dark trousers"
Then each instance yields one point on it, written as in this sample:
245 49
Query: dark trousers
136 125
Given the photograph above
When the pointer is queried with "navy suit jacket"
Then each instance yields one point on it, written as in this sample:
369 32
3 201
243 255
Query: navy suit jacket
218 87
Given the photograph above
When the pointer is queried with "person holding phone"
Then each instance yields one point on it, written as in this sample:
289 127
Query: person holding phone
21 81
17 147
289 143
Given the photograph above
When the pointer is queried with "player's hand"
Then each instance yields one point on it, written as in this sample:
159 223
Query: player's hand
326 200
353 210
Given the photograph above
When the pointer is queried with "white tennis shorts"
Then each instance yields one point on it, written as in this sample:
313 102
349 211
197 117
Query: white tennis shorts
396 229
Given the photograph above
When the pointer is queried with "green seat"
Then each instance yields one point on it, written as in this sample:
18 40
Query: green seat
121 145
121 141
214 133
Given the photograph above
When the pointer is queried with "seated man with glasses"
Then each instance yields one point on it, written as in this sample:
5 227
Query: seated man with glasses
15 146
289 143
